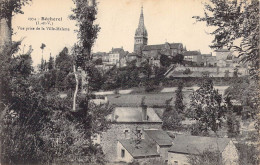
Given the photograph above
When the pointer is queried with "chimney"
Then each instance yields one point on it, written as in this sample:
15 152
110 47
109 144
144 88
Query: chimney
144 112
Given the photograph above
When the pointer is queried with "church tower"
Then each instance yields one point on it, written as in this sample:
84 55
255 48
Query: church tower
141 35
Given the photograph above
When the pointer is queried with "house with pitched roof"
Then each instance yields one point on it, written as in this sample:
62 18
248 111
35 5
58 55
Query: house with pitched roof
142 151
151 147
126 123
162 141
185 145
116 56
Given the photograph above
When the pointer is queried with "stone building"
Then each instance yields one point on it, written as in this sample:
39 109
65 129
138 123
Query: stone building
126 122
116 55
193 56
142 151
209 60
169 49
162 140
185 145
222 57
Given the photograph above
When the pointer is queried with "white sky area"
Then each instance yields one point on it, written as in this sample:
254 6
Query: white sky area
165 20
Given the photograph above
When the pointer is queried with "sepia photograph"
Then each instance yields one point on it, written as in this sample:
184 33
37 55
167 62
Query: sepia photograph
129 82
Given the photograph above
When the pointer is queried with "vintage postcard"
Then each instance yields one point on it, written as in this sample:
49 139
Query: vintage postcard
129 82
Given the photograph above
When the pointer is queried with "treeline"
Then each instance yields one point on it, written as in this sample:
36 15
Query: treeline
59 76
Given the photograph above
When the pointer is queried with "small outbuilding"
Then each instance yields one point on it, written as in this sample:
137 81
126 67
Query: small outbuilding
185 145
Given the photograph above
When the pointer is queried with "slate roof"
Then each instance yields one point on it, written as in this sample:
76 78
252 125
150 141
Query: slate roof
133 54
134 115
191 53
160 137
161 46
207 55
117 50
187 144
144 149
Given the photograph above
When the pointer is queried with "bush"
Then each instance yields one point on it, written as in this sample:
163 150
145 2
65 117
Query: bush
149 86
187 71
248 154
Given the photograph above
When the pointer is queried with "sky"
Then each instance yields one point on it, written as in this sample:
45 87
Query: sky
165 20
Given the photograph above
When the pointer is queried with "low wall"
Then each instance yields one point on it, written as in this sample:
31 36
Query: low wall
214 70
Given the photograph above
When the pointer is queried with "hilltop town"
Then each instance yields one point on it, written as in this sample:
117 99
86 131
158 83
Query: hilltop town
174 57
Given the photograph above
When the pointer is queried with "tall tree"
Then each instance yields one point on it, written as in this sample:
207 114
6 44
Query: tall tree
236 22
171 118
51 63
84 14
7 9
179 99
207 107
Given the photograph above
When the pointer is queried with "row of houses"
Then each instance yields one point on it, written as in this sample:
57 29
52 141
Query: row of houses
136 134
218 58
152 53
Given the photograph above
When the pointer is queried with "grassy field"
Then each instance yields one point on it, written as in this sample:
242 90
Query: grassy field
155 98
152 99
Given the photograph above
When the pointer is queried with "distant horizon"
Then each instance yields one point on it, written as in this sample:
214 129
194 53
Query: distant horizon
166 21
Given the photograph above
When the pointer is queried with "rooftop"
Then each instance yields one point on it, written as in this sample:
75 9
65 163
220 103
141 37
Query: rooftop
187 144
162 46
134 115
191 53
141 149
117 50
160 137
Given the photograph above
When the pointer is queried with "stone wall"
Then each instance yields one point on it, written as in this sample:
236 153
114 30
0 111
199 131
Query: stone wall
214 71
150 161
174 158
110 138
164 153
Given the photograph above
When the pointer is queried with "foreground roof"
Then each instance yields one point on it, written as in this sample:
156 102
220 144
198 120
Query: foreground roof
142 149
134 115
160 137
197 144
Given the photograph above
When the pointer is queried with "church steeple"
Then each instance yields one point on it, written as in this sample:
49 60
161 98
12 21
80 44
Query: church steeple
141 19
141 35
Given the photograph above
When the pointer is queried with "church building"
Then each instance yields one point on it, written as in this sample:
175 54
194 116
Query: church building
141 35
152 53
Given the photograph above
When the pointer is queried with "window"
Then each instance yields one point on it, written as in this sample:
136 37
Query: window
126 132
122 153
